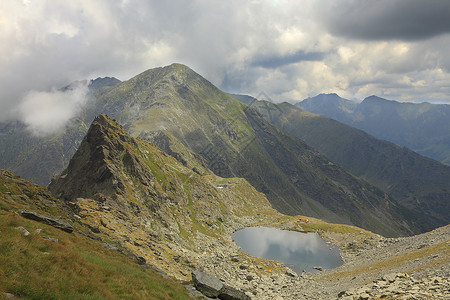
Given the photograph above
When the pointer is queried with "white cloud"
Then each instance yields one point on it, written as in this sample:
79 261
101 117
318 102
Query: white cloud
46 113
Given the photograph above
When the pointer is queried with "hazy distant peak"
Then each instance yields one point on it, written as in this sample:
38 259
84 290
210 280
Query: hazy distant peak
329 95
376 98
100 82
326 97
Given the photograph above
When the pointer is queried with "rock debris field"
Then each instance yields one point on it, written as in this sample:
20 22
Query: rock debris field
375 267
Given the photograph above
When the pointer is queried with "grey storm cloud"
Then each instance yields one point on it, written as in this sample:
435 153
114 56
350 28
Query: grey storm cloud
389 19
290 49
275 61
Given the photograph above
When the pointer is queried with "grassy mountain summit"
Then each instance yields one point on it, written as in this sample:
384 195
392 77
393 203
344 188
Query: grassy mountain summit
417 182
422 127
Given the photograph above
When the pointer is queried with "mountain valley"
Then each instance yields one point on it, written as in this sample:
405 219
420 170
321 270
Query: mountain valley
128 197
147 184
233 140
419 183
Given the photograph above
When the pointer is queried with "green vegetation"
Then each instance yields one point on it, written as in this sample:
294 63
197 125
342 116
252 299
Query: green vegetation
316 225
75 267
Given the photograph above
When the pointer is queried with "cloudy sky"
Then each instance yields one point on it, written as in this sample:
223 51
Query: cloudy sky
291 50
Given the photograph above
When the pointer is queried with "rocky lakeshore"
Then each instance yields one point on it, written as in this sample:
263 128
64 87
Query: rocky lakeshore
416 267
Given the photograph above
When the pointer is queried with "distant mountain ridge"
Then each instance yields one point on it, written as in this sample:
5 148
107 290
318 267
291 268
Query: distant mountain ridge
418 182
422 127
233 140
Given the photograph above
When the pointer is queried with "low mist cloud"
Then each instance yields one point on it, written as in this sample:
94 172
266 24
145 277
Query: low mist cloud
45 113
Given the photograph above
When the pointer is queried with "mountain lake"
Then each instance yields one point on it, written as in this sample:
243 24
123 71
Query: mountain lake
299 251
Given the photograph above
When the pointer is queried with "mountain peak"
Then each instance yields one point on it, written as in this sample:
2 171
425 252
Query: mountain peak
329 95
100 82
325 96
175 68
374 98
95 168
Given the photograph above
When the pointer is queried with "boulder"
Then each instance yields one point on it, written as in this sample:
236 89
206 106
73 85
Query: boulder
230 293
211 286
50 239
207 284
63 225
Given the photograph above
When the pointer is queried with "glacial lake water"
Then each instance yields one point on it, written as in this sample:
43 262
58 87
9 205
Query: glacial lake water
299 251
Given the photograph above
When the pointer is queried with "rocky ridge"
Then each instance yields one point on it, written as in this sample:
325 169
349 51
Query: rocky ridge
179 221
130 192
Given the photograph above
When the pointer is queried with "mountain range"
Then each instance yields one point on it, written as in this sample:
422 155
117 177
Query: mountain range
418 182
175 106
422 127
135 222
142 202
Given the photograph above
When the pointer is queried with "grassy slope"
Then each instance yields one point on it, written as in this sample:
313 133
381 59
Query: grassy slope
75 267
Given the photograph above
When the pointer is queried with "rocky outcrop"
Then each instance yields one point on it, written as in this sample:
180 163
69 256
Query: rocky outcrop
57 223
127 192
211 286
207 284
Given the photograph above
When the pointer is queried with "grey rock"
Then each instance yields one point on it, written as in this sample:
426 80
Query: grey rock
291 273
207 284
25 232
63 225
140 260
390 277
230 293
50 239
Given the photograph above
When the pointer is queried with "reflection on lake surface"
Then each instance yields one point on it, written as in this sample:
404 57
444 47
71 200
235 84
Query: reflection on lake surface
299 251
